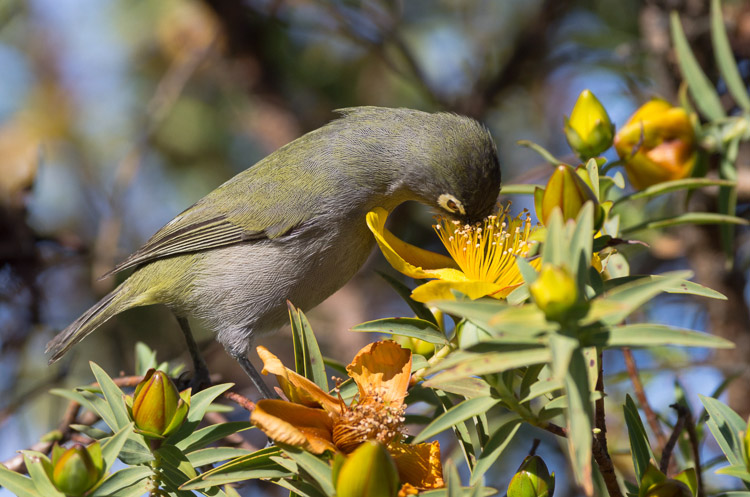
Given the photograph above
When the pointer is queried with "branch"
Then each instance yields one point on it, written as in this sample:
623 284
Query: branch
601 453
640 393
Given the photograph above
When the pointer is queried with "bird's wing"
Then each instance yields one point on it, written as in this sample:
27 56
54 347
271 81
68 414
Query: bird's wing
216 221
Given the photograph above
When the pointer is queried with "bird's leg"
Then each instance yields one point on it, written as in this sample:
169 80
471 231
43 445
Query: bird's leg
201 378
255 377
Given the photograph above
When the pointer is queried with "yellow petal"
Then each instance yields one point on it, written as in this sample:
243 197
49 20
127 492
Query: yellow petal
441 290
406 258
294 424
418 465
297 388
382 368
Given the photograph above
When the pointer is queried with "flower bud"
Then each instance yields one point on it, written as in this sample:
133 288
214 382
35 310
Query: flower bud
532 479
669 488
78 469
747 445
657 144
157 409
568 192
589 130
369 471
554 291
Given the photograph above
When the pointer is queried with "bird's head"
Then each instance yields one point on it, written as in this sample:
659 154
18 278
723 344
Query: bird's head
458 172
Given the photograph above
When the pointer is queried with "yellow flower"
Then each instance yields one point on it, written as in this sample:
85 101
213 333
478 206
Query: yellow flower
482 262
589 130
318 422
657 144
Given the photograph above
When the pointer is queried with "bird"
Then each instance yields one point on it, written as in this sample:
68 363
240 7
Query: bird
292 227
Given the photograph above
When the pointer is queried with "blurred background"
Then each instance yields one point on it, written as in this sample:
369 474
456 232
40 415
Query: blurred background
117 115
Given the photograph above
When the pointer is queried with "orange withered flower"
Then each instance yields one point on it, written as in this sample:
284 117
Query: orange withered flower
316 421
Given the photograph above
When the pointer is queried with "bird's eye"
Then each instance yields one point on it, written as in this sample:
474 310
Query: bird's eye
451 204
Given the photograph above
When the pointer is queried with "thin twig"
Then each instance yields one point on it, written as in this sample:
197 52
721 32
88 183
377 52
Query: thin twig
694 445
601 454
666 454
534 446
640 393
240 400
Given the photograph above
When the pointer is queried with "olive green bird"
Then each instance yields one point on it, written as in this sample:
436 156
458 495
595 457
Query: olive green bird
292 227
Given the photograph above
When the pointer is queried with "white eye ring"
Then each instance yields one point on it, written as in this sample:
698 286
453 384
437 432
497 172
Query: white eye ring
451 204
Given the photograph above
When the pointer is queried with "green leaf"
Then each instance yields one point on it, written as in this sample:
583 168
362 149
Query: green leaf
703 93
17 484
546 155
465 492
676 286
112 447
617 304
135 452
518 323
314 366
259 464
90 401
469 387
725 58
210 434
458 413
498 442
735 471
113 395
479 311
39 476
654 335
561 349
212 455
300 488
408 327
123 479
728 195
519 189
725 426
554 250
313 466
639 444
671 186
199 403
489 363
452 480
593 169
419 309
145 358
687 218
579 420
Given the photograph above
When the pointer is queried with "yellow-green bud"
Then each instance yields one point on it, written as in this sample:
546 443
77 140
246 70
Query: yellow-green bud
369 471
589 130
555 291
568 192
747 445
532 479
78 469
657 144
157 408
669 488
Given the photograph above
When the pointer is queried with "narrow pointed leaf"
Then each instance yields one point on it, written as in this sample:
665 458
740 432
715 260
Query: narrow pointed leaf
703 93
19 485
112 447
316 468
688 218
519 189
419 309
460 412
725 426
677 286
725 58
655 335
113 395
546 155
579 420
408 327
494 448
200 438
639 444
672 186
198 405
122 480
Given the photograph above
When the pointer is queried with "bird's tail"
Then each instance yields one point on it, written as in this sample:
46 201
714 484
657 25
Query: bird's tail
113 303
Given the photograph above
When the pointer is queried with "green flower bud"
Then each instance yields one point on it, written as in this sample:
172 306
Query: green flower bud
554 291
589 130
532 479
568 192
657 144
157 408
669 488
78 469
369 471
747 445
